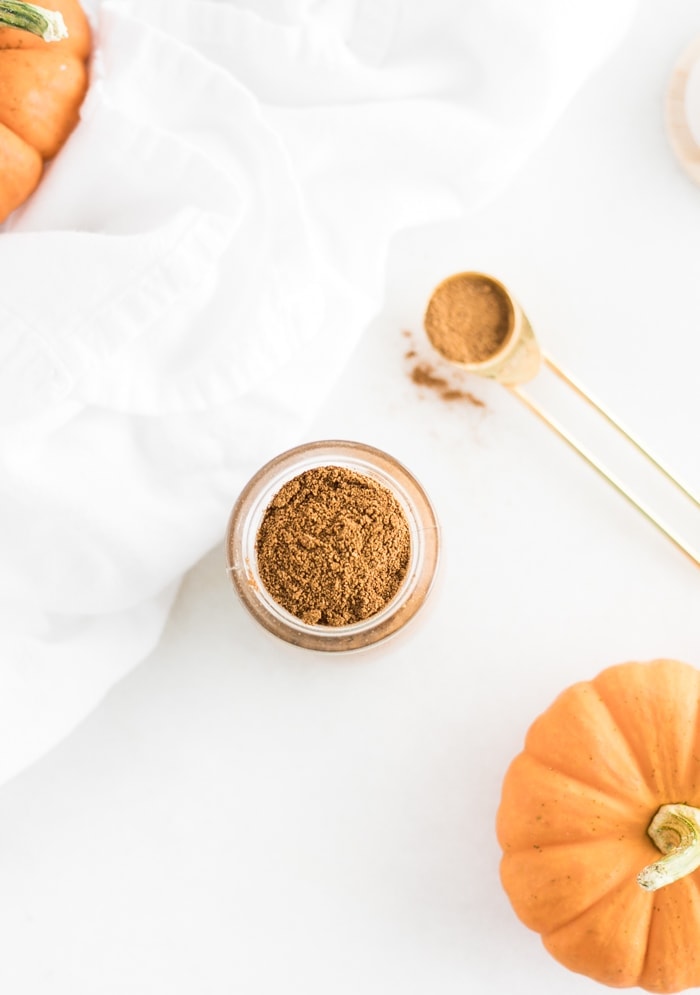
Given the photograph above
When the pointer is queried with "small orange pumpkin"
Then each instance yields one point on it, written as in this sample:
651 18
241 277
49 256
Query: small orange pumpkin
42 85
600 828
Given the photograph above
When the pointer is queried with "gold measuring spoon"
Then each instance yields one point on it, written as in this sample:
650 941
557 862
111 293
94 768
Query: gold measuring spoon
473 321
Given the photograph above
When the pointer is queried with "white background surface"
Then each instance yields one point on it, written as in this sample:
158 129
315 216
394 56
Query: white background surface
242 817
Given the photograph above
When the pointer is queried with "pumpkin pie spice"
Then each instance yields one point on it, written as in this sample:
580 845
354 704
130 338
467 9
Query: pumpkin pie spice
468 320
333 546
435 374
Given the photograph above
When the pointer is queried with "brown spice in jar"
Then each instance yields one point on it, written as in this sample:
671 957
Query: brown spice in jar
333 546
468 318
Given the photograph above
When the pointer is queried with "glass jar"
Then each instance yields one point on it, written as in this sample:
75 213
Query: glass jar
249 510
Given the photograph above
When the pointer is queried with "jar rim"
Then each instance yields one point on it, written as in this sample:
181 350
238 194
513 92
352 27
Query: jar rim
254 499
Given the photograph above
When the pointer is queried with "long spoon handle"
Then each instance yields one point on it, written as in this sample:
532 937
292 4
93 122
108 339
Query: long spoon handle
609 417
611 479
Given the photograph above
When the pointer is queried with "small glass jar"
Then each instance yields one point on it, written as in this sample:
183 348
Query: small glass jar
247 516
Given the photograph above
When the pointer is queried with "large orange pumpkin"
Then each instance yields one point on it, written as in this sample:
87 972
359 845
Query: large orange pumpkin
42 85
582 841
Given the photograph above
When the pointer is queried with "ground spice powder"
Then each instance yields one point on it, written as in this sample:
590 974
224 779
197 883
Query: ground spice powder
333 546
423 375
431 372
468 318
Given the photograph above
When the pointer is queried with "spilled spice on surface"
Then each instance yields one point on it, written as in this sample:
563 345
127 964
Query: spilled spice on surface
468 318
424 376
333 546
441 378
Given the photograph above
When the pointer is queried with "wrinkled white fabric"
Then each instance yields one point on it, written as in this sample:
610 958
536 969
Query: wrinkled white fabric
184 287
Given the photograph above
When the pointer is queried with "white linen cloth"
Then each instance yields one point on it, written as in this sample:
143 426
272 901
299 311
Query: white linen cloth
199 260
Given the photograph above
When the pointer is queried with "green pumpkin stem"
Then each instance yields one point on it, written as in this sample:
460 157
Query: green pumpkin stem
48 24
675 829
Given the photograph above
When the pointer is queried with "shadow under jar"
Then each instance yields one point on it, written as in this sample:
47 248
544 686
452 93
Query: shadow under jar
333 546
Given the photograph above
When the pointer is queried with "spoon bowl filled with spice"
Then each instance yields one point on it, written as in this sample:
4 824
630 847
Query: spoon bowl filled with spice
333 546
473 320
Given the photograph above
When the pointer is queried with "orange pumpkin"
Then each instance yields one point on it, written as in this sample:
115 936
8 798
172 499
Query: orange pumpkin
42 85
600 828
